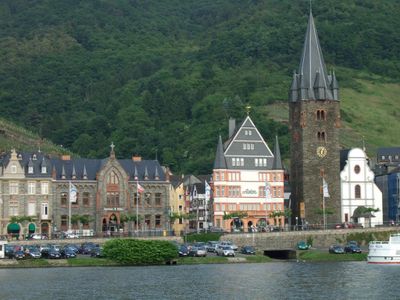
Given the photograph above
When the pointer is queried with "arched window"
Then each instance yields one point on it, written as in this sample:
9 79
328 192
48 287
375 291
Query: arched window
357 191
321 136
113 178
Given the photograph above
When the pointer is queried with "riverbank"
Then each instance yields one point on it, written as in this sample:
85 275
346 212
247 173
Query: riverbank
304 256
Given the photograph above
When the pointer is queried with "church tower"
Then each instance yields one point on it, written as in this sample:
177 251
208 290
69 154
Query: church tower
314 112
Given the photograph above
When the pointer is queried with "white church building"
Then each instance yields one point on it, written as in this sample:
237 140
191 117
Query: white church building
359 193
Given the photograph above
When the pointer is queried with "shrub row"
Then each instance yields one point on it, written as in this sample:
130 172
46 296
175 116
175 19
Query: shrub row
140 252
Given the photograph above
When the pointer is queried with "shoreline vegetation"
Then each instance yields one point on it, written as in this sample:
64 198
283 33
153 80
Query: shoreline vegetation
306 256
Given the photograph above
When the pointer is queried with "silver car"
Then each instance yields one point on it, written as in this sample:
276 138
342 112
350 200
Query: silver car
225 251
198 251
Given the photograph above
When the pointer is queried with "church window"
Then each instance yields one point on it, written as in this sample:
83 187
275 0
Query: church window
321 136
357 191
112 178
357 169
321 115
63 199
85 199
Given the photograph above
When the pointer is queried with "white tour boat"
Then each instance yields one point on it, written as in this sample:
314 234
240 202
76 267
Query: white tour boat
385 252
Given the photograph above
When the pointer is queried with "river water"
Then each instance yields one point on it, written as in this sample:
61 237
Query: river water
278 280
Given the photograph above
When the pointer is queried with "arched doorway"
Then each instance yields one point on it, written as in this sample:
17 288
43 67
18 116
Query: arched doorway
236 225
251 227
113 224
262 225
13 229
45 228
31 228
104 226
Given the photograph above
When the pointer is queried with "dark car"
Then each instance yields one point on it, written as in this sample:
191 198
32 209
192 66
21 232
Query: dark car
54 254
68 252
86 248
248 250
19 254
336 249
9 251
33 252
352 248
183 250
302 245
97 252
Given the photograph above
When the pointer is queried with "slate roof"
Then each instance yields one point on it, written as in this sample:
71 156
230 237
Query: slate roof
277 156
312 80
84 168
219 162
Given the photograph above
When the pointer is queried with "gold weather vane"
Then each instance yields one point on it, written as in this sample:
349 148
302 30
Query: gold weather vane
248 107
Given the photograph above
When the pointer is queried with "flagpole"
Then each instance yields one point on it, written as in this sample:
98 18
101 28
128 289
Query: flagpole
137 207
323 202
69 207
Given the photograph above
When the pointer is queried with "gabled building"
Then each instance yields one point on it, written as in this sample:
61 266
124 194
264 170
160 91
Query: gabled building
180 223
359 191
107 202
248 180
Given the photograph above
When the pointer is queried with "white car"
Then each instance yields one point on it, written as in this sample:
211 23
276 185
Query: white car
71 235
225 251
229 243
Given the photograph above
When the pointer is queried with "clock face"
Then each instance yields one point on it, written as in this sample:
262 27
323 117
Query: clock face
321 151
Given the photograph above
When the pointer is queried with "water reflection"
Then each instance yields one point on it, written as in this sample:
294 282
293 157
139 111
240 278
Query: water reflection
286 280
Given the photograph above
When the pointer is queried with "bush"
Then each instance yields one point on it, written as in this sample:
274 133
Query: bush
203 237
140 252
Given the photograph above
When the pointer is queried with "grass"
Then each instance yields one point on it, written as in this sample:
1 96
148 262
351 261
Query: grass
324 256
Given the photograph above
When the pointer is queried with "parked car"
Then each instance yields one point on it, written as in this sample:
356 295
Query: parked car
54 254
97 252
68 252
211 245
352 248
225 251
9 251
229 243
302 245
198 251
86 248
216 229
19 254
336 249
183 250
248 250
37 236
32 252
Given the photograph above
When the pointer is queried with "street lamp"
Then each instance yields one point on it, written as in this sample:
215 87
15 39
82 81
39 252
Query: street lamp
297 220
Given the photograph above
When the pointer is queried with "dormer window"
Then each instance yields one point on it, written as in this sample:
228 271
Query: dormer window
30 170
34 157
44 169
13 169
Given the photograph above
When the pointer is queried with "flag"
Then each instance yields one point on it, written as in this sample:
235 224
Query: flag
325 188
267 189
208 191
72 192
140 189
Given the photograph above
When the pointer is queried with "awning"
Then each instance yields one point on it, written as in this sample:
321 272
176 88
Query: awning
31 227
13 227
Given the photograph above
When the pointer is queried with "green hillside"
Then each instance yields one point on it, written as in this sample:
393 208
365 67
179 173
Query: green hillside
163 77
13 136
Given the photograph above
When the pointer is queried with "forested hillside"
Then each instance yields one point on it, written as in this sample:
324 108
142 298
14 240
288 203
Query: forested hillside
162 77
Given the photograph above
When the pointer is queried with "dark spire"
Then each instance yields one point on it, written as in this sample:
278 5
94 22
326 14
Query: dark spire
112 153
335 87
156 175
312 67
63 172
220 162
277 156
136 174
146 173
294 88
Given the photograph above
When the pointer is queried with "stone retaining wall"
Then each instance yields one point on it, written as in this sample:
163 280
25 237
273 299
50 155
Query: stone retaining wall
288 240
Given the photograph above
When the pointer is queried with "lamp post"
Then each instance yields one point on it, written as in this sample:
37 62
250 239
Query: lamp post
297 220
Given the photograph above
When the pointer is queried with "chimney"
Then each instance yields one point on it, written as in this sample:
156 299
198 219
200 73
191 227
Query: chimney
136 158
65 157
232 126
